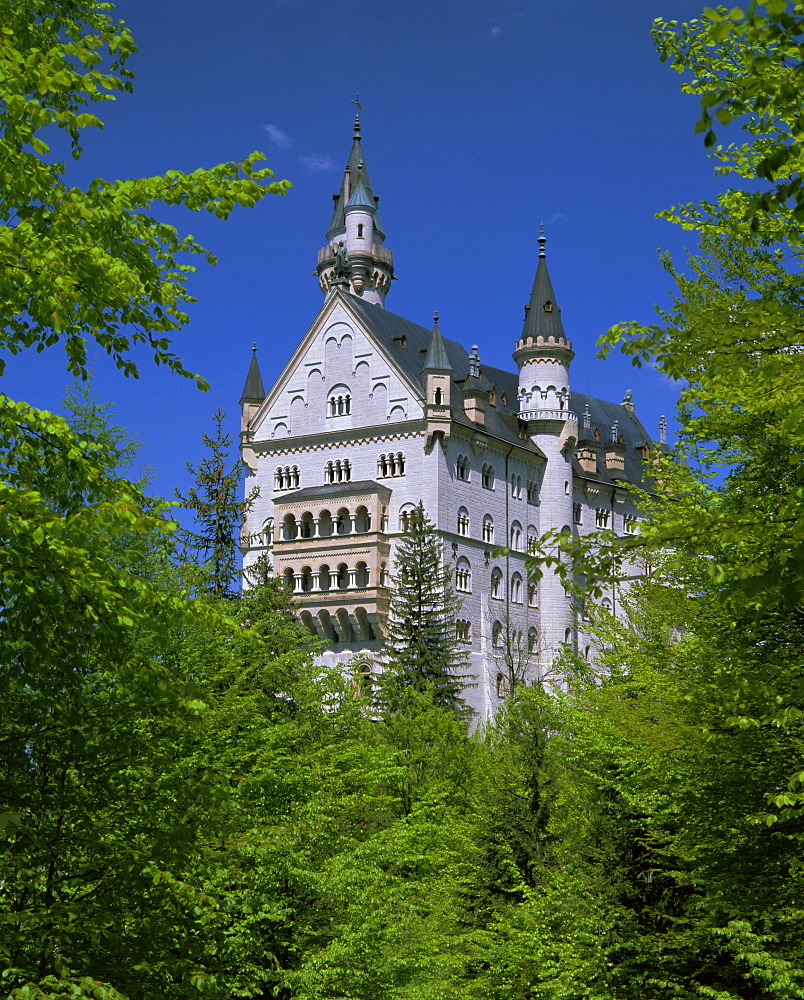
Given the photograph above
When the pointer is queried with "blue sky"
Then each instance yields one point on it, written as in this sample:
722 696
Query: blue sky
482 119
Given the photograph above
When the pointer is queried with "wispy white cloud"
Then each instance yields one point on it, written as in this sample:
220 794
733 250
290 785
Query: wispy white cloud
555 218
317 163
279 139
496 30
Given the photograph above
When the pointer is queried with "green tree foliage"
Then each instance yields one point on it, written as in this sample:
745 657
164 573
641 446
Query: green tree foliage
95 263
421 652
218 511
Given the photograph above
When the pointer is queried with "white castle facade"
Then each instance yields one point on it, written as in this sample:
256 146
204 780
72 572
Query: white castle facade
374 413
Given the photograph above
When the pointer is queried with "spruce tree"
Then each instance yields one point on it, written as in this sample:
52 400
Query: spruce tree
218 511
421 654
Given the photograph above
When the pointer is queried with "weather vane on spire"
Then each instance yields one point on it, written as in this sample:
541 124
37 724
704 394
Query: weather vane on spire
358 108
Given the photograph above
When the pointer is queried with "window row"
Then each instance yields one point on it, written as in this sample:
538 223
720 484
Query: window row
514 640
340 405
488 480
287 478
339 471
391 465
515 540
326 524
325 578
516 592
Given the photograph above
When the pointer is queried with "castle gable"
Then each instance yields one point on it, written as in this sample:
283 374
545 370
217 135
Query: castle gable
341 376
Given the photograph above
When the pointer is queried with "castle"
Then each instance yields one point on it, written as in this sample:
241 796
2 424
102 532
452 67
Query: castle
374 413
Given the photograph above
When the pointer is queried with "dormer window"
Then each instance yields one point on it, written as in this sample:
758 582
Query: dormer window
504 400
548 306
401 341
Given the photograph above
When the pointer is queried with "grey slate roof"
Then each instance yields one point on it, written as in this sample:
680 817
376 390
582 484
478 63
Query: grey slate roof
333 490
502 420
360 197
390 329
538 322
253 390
603 416
356 168
436 359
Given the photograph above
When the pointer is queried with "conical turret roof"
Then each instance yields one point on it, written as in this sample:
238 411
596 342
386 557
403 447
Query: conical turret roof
436 359
360 197
355 172
253 390
542 315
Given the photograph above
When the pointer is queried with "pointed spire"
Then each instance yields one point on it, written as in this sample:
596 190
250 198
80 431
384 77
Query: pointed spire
360 197
542 315
355 171
437 360
253 390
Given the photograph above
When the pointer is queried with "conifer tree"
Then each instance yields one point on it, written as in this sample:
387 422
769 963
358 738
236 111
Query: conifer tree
218 511
421 653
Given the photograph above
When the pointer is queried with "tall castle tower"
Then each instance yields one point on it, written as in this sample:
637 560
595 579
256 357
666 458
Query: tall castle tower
543 355
354 258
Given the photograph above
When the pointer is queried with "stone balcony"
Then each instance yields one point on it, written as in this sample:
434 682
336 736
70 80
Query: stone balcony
548 414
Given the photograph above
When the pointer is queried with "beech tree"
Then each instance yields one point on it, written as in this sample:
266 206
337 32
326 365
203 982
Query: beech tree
94 263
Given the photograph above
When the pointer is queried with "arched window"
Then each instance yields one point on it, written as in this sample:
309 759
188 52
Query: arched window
339 403
488 529
462 468
382 467
533 594
400 464
496 633
502 687
567 635
463 576
463 521
346 470
533 492
533 640
438 396
601 517
496 584
516 588
516 536
487 478
404 517
287 579
463 630
329 473
360 230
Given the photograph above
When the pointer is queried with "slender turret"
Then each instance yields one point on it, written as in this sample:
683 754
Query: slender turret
355 258
543 354
437 374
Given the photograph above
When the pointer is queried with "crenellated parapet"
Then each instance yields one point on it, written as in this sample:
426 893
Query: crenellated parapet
543 349
368 271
